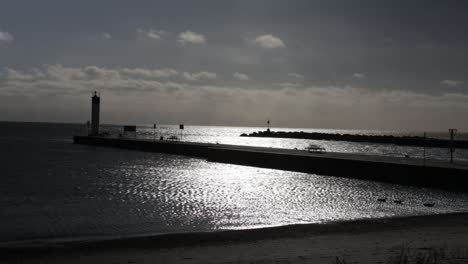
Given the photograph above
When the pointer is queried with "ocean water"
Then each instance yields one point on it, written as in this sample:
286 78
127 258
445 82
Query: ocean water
52 189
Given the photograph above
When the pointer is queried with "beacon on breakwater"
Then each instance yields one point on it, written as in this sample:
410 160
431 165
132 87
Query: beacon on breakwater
96 100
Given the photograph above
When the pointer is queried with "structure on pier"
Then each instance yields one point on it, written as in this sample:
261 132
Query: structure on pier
95 104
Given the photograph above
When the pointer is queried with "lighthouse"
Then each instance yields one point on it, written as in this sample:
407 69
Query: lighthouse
95 114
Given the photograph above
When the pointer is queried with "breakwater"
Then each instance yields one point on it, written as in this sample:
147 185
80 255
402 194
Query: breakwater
416 141
407 171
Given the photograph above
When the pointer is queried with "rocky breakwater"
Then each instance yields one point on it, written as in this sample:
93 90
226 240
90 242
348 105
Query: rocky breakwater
380 139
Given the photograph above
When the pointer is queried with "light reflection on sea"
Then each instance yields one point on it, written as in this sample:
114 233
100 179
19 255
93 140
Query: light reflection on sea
54 189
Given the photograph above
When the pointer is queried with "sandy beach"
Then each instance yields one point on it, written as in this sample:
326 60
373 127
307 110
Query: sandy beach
443 238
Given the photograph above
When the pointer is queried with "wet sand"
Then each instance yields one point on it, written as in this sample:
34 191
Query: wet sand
362 241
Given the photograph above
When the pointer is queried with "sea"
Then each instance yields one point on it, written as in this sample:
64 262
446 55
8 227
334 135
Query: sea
53 190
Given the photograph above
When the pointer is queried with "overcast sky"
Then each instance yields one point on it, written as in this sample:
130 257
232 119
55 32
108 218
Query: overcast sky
304 63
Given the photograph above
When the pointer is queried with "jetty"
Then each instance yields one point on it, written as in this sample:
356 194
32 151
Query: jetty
406 171
415 141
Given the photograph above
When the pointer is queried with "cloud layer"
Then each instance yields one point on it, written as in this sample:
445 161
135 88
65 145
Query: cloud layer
240 76
106 35
151 34
190 37
296 75
199 76
451 83
359 75
6 37
174 96
269 42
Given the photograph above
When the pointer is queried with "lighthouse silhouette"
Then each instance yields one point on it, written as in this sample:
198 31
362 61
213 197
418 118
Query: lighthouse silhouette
95 102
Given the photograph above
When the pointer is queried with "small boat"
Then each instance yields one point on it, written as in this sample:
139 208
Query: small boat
429 204
383 200
397 201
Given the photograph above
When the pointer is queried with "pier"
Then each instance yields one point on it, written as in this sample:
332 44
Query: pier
406 171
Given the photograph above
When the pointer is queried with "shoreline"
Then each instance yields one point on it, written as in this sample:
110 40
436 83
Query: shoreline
229 236
386 240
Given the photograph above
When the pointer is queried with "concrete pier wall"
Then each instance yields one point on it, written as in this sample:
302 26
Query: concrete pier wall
383 169
406 174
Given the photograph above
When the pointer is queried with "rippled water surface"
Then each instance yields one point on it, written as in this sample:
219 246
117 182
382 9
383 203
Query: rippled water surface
51 188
